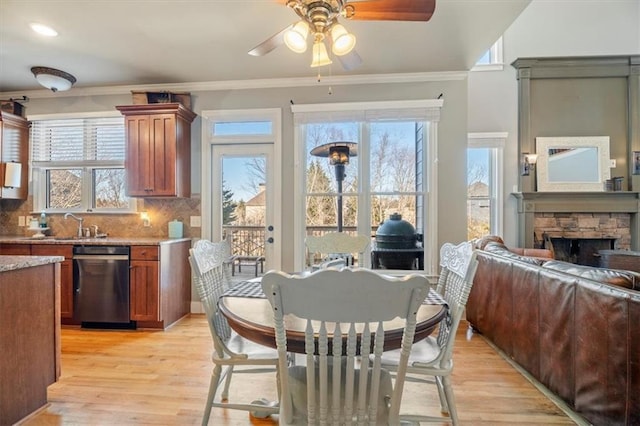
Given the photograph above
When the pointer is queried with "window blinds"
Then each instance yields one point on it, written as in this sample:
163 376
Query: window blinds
84 141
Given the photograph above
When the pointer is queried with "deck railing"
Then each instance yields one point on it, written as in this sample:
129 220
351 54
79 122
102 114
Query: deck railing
249 240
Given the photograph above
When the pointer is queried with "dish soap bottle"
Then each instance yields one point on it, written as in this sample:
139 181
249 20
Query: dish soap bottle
43 220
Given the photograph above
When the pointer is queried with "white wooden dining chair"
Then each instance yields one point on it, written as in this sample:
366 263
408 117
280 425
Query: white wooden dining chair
332 388
336 245
211 272
431 359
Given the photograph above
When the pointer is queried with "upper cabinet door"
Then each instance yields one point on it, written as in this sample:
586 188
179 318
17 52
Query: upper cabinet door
14 148
158 160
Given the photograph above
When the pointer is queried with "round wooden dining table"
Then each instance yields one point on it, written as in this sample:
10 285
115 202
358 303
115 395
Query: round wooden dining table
252 318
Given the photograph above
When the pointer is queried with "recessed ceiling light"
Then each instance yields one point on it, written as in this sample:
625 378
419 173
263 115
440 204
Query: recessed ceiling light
44 30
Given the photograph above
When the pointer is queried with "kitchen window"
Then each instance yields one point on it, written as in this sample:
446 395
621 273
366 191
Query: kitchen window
78 164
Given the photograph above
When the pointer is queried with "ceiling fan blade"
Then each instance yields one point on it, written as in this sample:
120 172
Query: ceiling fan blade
350 61
269 44
394 10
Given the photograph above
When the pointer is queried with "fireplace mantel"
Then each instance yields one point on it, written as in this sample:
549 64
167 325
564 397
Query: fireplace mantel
530 203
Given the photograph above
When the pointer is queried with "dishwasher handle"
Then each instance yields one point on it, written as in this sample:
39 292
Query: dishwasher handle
100 257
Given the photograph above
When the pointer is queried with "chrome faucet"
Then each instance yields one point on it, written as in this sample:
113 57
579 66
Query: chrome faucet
79 219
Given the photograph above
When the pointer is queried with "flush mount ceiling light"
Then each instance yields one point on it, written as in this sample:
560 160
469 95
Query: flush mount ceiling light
53 79
320 17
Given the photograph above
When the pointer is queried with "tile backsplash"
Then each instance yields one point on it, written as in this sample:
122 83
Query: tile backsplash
161 212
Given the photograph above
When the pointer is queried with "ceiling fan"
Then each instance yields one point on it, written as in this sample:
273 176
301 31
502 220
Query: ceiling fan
320 18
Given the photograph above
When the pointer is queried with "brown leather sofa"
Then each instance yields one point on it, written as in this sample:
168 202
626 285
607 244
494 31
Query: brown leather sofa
576 329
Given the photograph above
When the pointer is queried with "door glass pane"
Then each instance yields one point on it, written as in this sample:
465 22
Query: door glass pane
478 193
109 189
64 188
244 204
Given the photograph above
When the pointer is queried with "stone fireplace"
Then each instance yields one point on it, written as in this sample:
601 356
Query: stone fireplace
577 225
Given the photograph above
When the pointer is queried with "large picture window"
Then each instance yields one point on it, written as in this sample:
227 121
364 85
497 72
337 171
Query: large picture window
78 164
387 172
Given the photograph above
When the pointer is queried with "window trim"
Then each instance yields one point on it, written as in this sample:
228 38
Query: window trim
496 141
431 118
38 172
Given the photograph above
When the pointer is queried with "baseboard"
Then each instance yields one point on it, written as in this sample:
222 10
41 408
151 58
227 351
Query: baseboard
196 307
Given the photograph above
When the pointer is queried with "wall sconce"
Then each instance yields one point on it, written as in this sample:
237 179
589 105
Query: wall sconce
146 221
528 163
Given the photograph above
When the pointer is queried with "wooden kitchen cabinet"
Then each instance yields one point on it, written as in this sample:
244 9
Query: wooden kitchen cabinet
14 148
66 274
144 284
160 283
15 249
158 153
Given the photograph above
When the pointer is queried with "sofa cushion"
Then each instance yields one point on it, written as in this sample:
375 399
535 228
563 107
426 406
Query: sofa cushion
618 277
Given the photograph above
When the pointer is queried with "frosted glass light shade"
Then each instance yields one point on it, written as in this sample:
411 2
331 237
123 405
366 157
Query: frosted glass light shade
320 55
296 37
53 79
343 42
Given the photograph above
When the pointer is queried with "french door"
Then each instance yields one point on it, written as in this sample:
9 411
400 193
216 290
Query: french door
241 181
242 201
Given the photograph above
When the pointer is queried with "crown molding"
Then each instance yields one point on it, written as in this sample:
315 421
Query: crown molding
271 83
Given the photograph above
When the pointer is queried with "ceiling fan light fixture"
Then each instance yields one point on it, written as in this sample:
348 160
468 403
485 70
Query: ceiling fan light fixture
343 42
296 37
320 55
53 79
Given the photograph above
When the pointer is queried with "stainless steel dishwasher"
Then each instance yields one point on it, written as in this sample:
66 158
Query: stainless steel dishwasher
101 285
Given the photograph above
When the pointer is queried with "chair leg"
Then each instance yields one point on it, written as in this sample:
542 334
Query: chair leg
444 408
227 383
213 388
451 402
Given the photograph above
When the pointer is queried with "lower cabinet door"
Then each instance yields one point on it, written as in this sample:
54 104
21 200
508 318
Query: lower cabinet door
66 289
144 290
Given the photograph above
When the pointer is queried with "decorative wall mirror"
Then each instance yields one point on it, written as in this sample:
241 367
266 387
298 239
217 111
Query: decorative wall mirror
572 163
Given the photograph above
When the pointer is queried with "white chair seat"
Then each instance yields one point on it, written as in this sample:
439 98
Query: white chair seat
423 353
255 351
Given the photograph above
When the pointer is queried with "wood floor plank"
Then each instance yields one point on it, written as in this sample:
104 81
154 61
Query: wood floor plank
162 378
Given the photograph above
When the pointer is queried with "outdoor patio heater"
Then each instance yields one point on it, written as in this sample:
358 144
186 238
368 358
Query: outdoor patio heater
338 154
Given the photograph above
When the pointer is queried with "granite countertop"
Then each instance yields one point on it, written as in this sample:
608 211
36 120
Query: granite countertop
109 241
11 263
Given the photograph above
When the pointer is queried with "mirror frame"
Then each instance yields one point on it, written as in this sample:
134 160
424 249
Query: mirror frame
543 144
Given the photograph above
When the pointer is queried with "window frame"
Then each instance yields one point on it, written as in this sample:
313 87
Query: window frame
40 170
332 112
495 141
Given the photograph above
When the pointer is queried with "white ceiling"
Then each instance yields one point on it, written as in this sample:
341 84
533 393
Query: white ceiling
144 42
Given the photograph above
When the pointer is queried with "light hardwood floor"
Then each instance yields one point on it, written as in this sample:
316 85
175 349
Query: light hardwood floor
162 377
